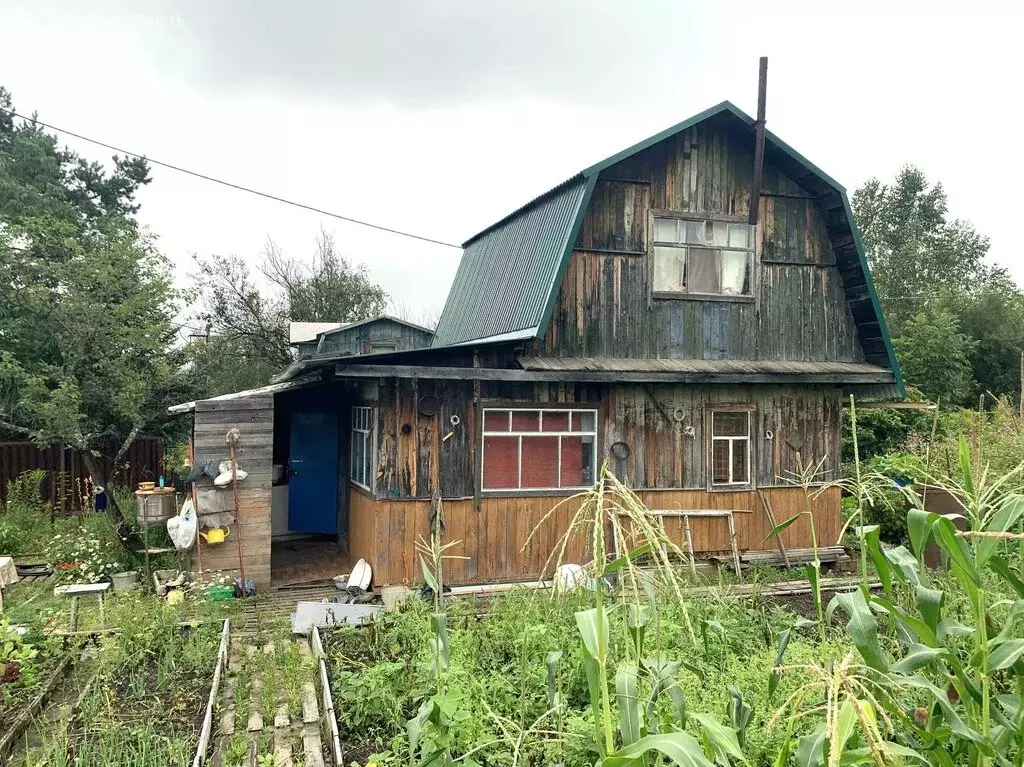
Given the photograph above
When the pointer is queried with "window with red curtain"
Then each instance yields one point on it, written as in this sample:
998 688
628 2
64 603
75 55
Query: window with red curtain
538 449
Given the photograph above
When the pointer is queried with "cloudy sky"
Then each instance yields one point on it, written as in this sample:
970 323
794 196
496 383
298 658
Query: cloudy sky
439 116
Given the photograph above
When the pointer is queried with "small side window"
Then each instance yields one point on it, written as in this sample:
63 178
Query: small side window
730 448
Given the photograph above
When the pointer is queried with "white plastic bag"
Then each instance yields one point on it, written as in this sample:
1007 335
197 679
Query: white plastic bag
182 528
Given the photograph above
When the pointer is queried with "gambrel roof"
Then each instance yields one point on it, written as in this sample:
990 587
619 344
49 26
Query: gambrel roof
510 274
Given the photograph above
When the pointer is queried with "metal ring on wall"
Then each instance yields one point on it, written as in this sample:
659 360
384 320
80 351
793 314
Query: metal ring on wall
455 420
678 415
769 434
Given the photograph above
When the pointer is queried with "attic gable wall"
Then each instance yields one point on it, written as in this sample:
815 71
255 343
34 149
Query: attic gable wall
800 310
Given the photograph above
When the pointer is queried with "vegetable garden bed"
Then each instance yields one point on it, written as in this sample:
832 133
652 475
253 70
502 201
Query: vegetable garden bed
502 677
148 700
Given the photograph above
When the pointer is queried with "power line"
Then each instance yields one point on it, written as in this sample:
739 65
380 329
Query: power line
239 187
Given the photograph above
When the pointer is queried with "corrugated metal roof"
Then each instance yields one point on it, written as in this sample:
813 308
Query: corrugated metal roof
624 365
509 270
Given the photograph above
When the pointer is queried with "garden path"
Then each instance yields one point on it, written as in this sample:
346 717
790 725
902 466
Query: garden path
269 705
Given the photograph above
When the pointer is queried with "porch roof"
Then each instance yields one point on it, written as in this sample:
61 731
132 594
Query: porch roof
298 383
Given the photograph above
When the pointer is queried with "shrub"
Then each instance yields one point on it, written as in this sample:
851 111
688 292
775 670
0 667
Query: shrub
25 522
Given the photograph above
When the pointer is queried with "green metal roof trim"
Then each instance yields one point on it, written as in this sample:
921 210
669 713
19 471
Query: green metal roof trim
509 270
476 306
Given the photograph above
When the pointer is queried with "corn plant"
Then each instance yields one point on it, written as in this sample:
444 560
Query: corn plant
628 733
973 713
429 732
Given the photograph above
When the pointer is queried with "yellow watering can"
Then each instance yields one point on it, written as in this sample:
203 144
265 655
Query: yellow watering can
215 535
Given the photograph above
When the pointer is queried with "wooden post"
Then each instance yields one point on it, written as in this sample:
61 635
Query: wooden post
755 184
232 440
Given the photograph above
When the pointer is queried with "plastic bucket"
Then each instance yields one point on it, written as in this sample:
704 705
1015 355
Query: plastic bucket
127 581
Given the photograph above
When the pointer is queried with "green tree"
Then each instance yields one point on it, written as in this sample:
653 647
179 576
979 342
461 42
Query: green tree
247 340
85 299
918 256
936 356
995 320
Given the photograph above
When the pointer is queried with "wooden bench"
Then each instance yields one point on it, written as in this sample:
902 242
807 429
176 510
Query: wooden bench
76 590
827 555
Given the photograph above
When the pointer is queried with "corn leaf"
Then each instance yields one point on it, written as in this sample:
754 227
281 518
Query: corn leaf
846 724
1006 654
810 751
782 526
619 562
919 528
1002 521
907 565
739 713
626 696
428 577
918 656
678 748
863 628
929 607
776 676
594 633
1002 568
872 540
722 738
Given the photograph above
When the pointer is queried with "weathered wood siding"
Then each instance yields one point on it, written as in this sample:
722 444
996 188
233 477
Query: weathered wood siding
653 419
254 419
414 458
799 309
417 453
362 339
385 531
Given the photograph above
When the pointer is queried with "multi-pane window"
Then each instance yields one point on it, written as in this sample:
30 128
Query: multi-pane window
702 257
730 447
541 449
362 447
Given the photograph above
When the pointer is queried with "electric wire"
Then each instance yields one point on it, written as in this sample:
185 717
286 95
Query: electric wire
231 185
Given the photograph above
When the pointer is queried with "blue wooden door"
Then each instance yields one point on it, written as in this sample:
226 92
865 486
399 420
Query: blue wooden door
313 469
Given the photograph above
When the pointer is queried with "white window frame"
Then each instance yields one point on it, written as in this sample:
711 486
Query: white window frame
520 434
733 482
680 243
368 436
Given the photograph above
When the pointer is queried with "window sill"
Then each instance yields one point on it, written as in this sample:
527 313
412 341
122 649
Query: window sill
723 297
516 493
730 488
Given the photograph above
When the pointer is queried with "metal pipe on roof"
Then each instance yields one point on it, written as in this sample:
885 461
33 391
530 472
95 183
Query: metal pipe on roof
755 184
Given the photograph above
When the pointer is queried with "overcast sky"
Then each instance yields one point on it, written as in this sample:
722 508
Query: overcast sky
439 117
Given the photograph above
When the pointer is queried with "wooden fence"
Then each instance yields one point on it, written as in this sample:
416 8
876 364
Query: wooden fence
65 471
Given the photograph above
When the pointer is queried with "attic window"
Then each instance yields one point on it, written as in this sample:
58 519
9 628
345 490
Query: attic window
702 257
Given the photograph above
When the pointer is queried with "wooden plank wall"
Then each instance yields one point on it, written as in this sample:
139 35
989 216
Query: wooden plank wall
383 331
800 310
413 454
665 464
493 537
254 418
663 455
413 457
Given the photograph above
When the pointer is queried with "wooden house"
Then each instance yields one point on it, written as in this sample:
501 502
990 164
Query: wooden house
372 336
633 314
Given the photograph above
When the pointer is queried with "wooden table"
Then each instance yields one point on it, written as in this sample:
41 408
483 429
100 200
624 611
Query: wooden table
76 590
